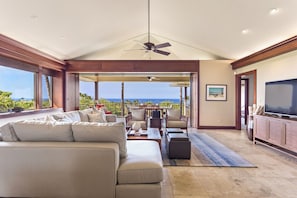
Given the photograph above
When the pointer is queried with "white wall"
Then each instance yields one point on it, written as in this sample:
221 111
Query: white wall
278 68
217 113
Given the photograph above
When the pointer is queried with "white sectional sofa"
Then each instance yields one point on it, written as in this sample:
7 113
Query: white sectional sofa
70 157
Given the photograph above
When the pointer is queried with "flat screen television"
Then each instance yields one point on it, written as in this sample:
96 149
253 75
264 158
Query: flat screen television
281 97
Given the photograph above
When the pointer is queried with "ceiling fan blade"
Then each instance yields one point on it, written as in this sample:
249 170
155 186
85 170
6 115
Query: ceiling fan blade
161 52
163 45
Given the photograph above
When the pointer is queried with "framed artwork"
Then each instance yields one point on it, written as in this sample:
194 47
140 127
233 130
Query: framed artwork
216 92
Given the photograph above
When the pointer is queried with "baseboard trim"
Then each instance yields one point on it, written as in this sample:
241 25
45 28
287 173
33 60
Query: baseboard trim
216 127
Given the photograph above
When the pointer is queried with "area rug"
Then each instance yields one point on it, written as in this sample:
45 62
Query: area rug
206 151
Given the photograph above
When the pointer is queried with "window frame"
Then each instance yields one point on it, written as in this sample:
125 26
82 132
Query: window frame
38 72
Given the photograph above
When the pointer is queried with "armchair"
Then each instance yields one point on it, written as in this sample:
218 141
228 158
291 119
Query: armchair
174 119
136 115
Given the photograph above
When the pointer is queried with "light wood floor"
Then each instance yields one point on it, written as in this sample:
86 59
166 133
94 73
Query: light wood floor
274 177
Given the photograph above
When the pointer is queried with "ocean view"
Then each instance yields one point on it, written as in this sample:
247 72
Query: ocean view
144 100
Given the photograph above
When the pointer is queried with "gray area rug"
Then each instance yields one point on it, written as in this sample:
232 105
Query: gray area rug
206 151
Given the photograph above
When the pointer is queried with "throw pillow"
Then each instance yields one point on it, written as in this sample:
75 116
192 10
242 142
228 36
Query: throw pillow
8 133
97 117
73 115
173 114
61 118
84 114
138 114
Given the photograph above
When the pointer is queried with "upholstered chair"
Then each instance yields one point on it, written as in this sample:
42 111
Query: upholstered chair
136 115
174 119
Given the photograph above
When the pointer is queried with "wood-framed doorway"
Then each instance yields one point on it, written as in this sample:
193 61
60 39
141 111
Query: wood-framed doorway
252 86
74 67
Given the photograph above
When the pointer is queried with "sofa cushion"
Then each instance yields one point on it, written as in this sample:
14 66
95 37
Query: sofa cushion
84 114
173 114
45 131
8 133
138 114
101 132
143 163
176 124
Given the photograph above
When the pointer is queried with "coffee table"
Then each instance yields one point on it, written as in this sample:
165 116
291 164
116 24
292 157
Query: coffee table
151 134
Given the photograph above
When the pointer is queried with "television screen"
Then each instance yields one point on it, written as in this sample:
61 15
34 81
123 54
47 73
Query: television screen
281 97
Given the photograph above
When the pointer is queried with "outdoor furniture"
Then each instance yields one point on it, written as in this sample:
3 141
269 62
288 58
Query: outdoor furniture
174 119
103 107
136 115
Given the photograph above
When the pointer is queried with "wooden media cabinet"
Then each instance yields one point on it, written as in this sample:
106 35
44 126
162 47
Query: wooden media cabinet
280 132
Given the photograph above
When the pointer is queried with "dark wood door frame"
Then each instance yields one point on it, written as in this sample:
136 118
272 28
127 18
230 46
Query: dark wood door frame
238 78
246 98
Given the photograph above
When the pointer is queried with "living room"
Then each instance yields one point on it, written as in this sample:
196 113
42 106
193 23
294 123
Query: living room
219 119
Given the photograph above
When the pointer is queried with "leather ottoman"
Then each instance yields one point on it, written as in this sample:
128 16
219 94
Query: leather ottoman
178 146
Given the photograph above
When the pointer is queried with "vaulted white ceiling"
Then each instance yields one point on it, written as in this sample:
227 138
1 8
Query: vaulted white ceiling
110 29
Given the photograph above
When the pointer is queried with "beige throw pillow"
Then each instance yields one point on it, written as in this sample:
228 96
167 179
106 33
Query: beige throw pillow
138 114
97 117
173 114
84 114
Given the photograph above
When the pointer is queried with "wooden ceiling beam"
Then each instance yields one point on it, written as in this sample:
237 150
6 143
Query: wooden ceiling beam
272 51
81 66
19 51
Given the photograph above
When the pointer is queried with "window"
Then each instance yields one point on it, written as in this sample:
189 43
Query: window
16 89
19 85
47 91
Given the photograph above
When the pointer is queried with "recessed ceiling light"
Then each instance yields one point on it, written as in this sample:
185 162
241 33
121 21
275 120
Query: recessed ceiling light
245 31
274 11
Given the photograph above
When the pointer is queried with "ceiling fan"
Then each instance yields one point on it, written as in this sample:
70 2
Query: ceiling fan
151 46
151 78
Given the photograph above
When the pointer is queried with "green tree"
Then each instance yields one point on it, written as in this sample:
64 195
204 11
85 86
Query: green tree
26 104
85 101
6 101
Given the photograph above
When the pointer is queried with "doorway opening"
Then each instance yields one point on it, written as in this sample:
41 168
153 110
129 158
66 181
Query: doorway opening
246 96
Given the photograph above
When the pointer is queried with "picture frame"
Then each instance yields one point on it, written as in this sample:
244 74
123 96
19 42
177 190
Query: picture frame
216 92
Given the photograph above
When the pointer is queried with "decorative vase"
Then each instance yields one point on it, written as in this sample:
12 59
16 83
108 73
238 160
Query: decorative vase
136 126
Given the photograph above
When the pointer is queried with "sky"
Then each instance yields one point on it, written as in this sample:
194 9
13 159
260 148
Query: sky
21 84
